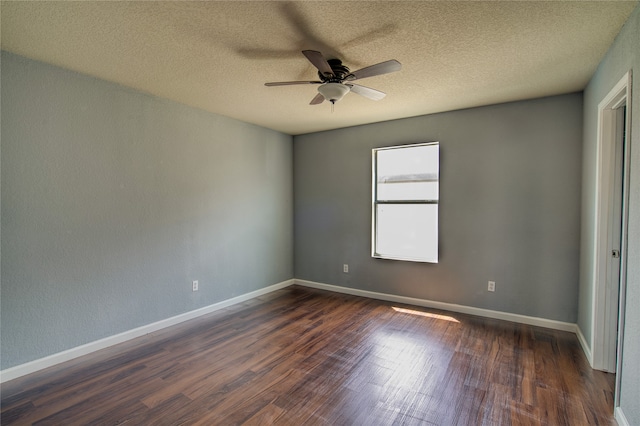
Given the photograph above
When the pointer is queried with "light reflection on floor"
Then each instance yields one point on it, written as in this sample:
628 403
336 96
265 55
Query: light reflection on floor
402 368
425 314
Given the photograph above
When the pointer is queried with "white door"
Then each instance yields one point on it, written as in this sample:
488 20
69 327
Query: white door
609 255
614 244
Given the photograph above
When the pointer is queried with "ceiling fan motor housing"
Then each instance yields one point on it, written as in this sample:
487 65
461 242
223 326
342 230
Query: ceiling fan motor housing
340 72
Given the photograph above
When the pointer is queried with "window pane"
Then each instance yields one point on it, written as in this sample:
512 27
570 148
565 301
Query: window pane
408 164
408 231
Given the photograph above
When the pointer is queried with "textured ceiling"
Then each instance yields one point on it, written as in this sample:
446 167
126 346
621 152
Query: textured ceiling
218 55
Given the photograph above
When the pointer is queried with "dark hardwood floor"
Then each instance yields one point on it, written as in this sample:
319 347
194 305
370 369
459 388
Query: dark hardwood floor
301 356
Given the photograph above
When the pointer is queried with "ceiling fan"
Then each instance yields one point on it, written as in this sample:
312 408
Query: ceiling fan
335 78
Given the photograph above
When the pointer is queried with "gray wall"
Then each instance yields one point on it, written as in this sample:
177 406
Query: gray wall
509 207
623 55
113 201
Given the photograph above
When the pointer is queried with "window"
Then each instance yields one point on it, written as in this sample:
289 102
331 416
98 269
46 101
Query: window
405 202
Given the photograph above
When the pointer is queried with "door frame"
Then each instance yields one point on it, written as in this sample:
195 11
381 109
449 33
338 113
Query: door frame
602 325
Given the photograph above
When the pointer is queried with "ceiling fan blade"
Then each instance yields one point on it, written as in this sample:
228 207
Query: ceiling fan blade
291 83
377 69
318 61
318 99
367 92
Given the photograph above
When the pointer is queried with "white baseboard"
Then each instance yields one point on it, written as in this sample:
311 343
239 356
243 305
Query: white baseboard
620 417
60 357
585 346
487 313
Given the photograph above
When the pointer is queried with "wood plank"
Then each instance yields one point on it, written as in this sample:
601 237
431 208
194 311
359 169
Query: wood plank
304 356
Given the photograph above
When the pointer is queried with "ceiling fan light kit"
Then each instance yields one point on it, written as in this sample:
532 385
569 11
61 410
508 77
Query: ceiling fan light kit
333 74
333 92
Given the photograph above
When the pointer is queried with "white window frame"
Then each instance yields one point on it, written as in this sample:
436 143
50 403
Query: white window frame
375 202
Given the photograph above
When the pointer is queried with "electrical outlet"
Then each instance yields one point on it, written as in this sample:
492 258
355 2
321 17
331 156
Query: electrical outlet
194 285
491 286
345 268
